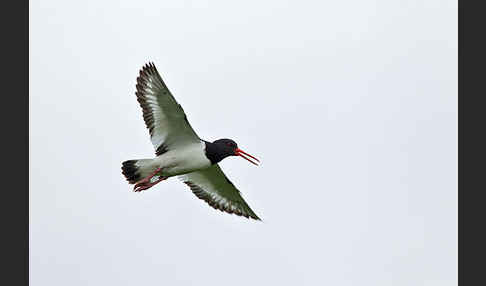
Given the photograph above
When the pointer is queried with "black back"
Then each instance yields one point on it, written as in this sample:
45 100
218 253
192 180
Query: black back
220 149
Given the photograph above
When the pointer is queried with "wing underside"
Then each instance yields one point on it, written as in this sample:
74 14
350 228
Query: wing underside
164 117
212 186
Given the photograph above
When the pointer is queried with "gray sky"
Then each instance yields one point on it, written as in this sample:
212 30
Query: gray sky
350 105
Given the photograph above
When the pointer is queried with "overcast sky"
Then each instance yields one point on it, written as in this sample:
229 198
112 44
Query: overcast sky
350 105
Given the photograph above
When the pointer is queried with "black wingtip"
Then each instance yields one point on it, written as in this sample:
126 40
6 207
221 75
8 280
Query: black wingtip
201 194
148 68
255 217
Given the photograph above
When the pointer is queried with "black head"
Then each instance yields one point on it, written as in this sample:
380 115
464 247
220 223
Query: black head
222 148
228 145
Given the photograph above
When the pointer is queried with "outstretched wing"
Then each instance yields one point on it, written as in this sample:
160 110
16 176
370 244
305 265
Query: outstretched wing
164 117
212 186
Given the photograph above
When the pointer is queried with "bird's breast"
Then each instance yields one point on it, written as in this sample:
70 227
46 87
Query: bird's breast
184 160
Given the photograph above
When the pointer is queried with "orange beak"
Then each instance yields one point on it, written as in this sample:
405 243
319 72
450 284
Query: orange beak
241 153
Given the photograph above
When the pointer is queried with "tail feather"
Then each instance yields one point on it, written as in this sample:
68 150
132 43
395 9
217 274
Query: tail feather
135 170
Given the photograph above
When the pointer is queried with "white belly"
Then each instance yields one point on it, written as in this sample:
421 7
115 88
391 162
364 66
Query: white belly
183 160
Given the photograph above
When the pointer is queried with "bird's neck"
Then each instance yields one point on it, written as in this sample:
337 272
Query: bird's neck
214 153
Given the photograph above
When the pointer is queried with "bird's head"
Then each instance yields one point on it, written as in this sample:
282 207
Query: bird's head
228 147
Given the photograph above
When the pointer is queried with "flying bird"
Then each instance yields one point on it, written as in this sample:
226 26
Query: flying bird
181 152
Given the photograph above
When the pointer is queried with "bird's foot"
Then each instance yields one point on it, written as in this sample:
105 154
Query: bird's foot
146 183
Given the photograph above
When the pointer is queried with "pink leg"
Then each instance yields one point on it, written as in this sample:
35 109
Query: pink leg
147 179
145 182
145 185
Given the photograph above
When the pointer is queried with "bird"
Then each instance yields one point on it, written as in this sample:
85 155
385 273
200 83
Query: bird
180 152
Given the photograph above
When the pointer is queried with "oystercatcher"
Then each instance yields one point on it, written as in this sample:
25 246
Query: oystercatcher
180 152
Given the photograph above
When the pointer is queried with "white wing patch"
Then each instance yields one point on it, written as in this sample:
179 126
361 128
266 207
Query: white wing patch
212 186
